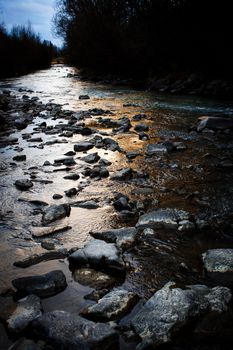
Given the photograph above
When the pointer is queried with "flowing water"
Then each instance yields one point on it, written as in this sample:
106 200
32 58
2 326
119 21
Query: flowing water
189 180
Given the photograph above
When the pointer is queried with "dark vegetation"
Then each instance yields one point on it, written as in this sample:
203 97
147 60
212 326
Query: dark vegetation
23 51
148 37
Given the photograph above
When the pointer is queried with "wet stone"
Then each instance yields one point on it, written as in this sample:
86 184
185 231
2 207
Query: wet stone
171 308
91 158
156 148
57 196
141 127
123 237
55 212
99 254
122 175
74 177
27 310
86 204
43 286
23 184
112 306
162 218
83 146
218 260
20 158
38 258
84 97
25 344
215 123
71 192
70 331
94 279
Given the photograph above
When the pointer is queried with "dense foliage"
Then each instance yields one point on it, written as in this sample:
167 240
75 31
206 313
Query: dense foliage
148 35
23 51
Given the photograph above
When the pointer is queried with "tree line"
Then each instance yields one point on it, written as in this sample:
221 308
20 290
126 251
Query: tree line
23 51
148 36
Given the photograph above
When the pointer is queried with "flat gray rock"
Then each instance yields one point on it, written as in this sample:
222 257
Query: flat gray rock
44 256
71 332
43 286
55 212
215 123
218 260
123 237
162 218
27 310
99 254
156 148
112 306
171 308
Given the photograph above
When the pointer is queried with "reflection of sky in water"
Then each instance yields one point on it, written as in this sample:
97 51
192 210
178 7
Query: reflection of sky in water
55 84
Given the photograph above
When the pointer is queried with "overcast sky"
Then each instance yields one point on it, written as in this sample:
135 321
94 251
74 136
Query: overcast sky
38 12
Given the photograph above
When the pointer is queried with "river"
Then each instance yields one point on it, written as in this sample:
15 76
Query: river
192 180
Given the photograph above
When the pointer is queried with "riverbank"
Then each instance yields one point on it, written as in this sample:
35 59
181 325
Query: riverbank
119 196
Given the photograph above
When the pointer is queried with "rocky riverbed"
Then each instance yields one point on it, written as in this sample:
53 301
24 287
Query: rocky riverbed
116 217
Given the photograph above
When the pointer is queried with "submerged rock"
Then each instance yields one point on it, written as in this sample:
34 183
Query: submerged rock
20 158
45 256
27 310
92 278
163 218
91 204
55 212
99 254
112 306
44 286
215 123
218 260
69 331
123 237
171 308
23 184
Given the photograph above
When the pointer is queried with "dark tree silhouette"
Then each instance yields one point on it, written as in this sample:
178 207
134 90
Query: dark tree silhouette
22 51
145 36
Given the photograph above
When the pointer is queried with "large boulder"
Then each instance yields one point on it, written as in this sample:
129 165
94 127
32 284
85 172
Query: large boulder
98 254
55 212
215 123
112 306
162 218
27 310
43 286
171 308
123 237
70 331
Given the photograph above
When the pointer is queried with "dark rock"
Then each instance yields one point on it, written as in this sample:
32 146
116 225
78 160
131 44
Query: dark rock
121 204
84 97
93 279
43 286
123 237
71 192
123 175
215 123
37 258
21 124
99 172
112 306
4 339
91 158
96 295
99 254
143 136
171 308
57 196
155 148
70 154
218 264
162 218
46 231
132 154
72 177
27 310
141 127
110 144
138 117
65 161
20 158
104 162
25 344
35 139
23 184
55 212
83 146
69 331
91 204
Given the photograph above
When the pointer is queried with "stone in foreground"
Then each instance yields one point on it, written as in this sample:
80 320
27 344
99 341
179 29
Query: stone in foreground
69 331
45 256
83 146
123 237
162 218
215 123
55 212
27 310
43 286
171 308
98 254
218 260
112 306
23 184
